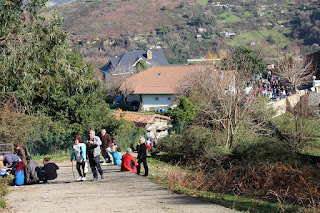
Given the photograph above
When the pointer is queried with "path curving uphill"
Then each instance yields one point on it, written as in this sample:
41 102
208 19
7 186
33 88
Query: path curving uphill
117 192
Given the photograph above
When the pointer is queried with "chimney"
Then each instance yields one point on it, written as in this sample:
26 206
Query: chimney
149 54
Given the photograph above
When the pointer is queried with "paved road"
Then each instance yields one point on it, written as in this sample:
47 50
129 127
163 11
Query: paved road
117 192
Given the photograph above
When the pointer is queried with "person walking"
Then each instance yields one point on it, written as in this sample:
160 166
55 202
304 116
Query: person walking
93 152
79 154
106 141
142 156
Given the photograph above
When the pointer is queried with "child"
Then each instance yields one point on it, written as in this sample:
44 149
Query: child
113 142
79 154
50 169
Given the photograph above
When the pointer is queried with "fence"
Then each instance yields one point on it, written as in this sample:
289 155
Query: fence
6 148
128 140
176 128
44 144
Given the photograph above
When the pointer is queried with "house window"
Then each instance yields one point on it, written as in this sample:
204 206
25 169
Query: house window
156 98
169 98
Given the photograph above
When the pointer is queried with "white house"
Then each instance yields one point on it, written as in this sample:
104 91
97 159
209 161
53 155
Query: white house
159 87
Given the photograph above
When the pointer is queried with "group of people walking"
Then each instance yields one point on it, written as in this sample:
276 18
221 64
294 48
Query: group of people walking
90 152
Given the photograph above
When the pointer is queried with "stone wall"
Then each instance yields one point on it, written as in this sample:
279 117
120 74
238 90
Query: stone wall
281 106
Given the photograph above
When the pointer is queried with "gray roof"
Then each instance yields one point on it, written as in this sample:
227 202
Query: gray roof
125 62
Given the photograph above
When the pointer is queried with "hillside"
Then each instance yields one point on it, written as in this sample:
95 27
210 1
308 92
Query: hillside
90 19
189 28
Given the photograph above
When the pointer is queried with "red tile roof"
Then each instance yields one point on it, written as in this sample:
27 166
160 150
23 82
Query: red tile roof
161 80
140 119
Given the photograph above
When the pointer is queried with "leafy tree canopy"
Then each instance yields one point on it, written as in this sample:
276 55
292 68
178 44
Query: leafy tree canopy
142 66
162 30
39 68
185 111
245 61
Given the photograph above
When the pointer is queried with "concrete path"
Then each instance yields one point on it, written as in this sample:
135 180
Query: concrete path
117 192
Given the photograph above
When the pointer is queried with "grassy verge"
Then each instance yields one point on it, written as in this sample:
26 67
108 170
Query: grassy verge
158 174
56 157
4 183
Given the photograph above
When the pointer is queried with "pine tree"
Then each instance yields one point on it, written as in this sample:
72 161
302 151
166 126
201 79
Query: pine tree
41 70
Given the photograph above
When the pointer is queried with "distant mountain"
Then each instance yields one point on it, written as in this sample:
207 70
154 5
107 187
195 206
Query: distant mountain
91 19
189 28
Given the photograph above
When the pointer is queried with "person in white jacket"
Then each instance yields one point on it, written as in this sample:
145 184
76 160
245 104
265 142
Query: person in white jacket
79 154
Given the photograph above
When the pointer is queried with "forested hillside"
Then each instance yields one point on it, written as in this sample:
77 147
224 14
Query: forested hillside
106 28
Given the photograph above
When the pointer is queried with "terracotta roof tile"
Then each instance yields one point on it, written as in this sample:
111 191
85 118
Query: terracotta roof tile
160 80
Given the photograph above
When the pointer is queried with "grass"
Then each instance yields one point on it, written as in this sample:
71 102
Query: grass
159 169
202 2
312 147
254 35
56 157
229 17
4 182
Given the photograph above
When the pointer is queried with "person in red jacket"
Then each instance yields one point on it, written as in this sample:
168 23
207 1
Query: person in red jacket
128 162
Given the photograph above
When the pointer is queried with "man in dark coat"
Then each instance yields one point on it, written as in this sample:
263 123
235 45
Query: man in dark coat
22 153
106 141
142 156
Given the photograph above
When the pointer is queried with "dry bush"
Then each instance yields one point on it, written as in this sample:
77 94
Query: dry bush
276 183
195 181
16 125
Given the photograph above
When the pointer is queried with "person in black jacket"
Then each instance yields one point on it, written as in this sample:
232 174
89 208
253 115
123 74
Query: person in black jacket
50 169
142 156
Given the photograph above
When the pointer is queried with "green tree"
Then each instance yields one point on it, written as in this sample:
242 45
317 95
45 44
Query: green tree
185 111
142 66
245 61
162 30
40 69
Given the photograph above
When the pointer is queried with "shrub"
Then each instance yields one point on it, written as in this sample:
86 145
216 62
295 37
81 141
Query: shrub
4 190
262 150
192 143
185 111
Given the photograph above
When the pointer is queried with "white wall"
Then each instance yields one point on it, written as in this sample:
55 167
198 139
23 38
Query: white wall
149 101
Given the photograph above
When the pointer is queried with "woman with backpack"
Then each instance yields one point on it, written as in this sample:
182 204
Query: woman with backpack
79 154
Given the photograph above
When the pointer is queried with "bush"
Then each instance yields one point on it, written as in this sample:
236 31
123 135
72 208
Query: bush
263 150
185 111
192 143
4 190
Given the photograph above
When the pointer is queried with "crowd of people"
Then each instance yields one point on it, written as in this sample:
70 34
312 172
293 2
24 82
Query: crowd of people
90 152
270 86
26 170
85 154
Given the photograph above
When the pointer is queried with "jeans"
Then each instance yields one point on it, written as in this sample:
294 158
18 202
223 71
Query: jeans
94 165
106 155
79 165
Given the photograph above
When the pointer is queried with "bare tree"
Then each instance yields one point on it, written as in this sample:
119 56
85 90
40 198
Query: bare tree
223 105
295 69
